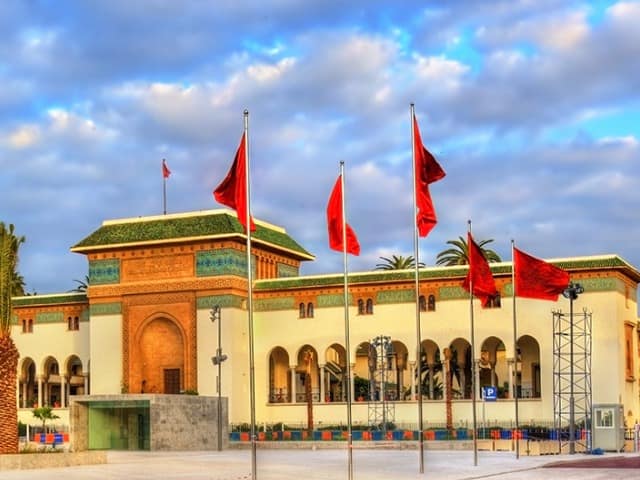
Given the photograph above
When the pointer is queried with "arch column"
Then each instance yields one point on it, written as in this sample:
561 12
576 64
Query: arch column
512 383
352 381
40 387
292 370
63 391
414 390
85 377
431 368
322 383
462 357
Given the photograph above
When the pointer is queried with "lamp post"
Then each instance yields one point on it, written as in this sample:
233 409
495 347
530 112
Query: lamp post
572 292
216 316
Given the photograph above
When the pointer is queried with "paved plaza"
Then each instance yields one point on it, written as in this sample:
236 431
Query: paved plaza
369 464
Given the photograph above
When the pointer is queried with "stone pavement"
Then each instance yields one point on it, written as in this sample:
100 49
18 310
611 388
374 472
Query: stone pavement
369 464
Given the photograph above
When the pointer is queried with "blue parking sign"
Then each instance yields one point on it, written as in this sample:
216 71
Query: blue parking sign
490 394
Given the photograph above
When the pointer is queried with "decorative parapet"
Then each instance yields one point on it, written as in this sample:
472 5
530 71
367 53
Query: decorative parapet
113 308
103 272
223 301
225 261
286 271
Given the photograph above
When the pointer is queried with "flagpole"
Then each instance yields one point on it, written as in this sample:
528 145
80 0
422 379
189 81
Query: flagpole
417 295
473 365
252 381
164 190
515 348
346 324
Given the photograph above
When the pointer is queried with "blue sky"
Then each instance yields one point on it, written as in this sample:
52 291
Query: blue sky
532 108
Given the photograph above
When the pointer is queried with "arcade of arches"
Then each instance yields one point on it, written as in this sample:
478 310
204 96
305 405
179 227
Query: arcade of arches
48 383
326 370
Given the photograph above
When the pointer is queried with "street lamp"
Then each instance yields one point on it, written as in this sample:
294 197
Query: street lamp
217 359
572 292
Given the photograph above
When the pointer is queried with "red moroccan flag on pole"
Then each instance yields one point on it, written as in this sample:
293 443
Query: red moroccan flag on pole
232 192
535 278
427 171
337 225
479 280
165 169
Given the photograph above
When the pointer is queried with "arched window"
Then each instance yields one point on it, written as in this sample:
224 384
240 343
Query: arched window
369 306
360 307
76 323
422 302
30 325
24 325
302 310
69 323
431 305
310 310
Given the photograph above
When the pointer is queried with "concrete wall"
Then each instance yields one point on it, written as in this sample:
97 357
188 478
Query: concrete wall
177 422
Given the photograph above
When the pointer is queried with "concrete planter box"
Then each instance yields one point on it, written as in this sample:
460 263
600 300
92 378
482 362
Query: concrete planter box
26 461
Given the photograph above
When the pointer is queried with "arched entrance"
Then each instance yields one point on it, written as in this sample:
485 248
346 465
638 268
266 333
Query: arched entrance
161 349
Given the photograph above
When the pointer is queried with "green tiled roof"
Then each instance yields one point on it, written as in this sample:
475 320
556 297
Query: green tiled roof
499 269
182 227
55 299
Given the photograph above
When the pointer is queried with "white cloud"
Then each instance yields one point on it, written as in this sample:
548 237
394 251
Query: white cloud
24 136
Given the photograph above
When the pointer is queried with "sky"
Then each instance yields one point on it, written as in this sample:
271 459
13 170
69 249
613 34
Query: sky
532 107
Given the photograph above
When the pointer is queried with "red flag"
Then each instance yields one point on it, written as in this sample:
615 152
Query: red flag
165 170
535 278
335 220
427 171
479 276
232 192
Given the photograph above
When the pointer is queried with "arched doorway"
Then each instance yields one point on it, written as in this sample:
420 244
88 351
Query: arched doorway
161 365
333 374
528 368
432 382
75 376
28 392
493 368
279 378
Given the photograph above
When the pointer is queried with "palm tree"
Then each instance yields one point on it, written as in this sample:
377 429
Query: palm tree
459 253
397 262
44 414
82 286
9 246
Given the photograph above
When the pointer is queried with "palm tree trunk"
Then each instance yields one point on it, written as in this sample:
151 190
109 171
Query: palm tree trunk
8 407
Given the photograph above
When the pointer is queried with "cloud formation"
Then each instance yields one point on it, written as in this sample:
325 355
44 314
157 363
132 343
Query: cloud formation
532 108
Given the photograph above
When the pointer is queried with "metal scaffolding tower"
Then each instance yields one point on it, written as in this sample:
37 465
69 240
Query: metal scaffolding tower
572 376
381 410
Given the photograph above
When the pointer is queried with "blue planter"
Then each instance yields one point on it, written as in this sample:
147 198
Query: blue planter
442 435
317 435
377 435
296 435
356 435
234 436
